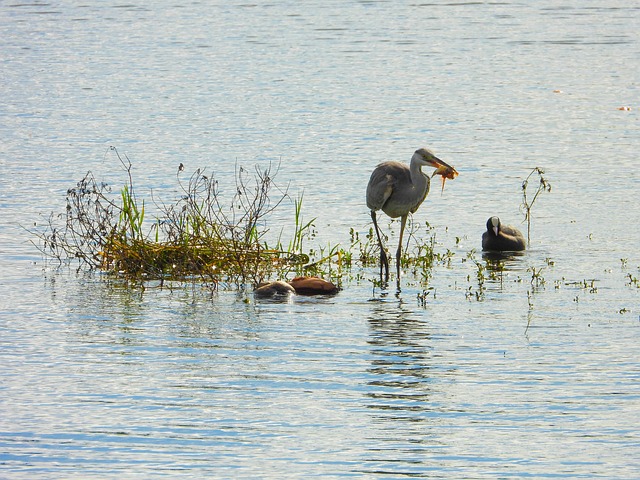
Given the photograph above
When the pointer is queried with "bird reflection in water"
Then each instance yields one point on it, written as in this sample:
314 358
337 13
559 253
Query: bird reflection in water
399 386
500 264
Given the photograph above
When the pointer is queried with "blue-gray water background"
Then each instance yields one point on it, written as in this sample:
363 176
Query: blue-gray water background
103 381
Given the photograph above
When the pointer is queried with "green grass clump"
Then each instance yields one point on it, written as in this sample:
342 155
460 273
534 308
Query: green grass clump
192 237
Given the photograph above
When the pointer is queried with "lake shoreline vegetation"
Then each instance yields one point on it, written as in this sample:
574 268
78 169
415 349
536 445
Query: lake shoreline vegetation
198 238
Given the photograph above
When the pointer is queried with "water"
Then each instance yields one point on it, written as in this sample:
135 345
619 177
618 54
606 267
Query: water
513 381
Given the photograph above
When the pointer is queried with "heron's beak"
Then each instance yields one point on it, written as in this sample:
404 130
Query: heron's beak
439 164
495 230
443 168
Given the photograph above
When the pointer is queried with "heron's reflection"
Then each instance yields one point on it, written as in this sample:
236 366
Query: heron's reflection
399 371
398 393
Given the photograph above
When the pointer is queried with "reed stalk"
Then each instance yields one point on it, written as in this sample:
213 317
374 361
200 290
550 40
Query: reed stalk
527 204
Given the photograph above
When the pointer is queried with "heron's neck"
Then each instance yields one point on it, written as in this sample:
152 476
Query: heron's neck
418 178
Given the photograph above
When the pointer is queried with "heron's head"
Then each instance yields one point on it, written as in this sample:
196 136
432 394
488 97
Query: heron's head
493 225
424 156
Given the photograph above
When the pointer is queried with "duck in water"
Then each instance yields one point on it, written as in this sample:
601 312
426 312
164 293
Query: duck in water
502 238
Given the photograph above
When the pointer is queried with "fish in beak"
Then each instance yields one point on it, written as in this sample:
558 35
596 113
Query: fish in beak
445 170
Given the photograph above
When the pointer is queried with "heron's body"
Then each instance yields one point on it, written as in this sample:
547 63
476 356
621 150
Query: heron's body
399 189
502 238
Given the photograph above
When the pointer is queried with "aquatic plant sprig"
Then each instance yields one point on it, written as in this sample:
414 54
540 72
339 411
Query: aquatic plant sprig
367 248
302 230
527 202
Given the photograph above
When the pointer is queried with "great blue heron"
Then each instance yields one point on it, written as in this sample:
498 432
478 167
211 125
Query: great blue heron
502 238
397 189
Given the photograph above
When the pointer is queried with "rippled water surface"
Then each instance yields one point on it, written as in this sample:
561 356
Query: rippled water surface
532 374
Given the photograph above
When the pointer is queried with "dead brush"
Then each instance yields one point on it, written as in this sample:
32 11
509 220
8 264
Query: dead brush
193 237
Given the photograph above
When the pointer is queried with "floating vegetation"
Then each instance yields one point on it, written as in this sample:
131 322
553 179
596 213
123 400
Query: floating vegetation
537 280
419 256
530 312
480 277
192 237
419 253
495 267
422 296
527 202
633 281
366 248
588 285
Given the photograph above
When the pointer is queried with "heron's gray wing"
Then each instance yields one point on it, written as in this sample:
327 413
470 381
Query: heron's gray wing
380 188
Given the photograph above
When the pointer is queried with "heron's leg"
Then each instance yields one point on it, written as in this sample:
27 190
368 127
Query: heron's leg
383 255
403 222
